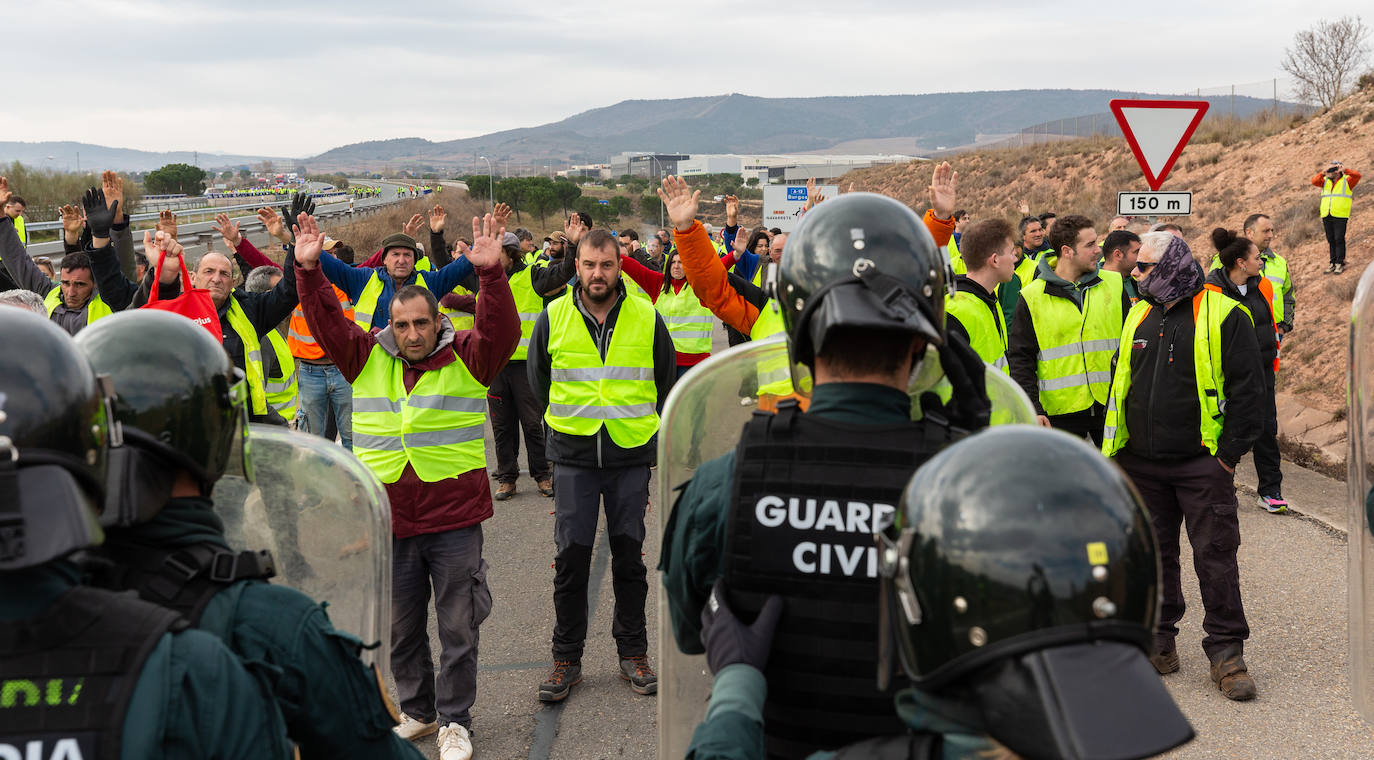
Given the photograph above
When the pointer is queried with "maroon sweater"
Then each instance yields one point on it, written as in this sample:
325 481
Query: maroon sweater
418 507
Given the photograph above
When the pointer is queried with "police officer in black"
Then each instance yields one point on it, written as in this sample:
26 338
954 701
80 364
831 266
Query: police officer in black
86 673
1022 616
181 406
792 511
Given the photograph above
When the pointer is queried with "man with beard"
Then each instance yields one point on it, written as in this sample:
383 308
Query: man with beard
602 363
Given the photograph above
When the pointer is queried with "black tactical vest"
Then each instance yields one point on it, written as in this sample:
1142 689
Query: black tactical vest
184 579
67 676
808 493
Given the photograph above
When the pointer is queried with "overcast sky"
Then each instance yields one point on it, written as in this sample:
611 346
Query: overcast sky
295 79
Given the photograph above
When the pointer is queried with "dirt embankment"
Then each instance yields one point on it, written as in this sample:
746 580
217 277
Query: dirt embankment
1233 170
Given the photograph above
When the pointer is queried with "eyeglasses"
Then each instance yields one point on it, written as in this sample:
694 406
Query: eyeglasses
1145 266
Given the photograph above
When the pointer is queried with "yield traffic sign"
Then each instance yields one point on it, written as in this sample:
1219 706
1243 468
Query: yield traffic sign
1157 130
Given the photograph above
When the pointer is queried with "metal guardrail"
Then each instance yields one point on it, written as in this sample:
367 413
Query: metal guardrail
196 236
57 225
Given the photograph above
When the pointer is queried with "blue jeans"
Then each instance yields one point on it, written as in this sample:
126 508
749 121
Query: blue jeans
322 386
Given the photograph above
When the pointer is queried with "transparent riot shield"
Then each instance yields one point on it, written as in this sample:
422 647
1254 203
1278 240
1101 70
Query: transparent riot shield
327 522
701 420
1360 482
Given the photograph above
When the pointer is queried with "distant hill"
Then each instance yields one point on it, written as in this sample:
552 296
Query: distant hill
64 155
745 124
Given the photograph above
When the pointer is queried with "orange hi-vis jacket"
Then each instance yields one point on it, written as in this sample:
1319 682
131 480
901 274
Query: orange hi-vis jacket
707 276
298 338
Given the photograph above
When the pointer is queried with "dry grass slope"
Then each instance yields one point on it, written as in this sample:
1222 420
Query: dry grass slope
1233 169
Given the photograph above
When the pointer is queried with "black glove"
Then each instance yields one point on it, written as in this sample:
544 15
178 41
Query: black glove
99 218
301 203
969 407
729 641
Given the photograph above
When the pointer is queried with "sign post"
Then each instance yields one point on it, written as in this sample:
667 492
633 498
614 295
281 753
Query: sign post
1157 131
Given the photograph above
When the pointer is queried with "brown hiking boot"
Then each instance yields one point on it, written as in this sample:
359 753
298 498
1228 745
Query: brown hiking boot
546 486
1231 676
1165 662
504 491
566 674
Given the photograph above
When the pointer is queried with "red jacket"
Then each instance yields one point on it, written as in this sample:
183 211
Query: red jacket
652 282
418 507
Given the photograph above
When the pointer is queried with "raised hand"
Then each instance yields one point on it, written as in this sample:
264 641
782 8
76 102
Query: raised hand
167 222
309 241
413 226
72 222
680 201
500 213
272 221
5 193
487 233
437 217
158 244
943 187
99 216
731 210
1024 208
301 203
812 197
227 229
113 185
574 229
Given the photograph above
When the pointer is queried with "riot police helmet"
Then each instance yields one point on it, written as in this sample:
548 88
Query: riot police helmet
179 399
863 261
1032 596
54 434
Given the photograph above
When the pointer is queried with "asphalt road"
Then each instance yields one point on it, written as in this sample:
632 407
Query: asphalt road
1292 579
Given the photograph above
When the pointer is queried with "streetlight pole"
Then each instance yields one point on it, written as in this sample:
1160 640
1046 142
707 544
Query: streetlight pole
654 158
491 185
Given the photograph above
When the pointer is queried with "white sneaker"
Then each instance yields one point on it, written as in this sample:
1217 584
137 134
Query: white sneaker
454 743
412 729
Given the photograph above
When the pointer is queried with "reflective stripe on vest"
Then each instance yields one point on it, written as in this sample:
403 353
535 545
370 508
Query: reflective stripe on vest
298 337
586 392
1210 309
529 305
96 308
775 374
985 324
688 321
281 388
252 355
436 428
364 309
1076 345
1337 198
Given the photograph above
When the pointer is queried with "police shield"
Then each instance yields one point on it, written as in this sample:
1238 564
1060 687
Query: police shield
702 420
326 521
1360 482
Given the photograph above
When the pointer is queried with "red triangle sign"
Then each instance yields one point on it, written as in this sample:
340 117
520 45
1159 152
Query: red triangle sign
1157 130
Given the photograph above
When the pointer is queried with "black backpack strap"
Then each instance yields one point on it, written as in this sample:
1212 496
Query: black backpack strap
186 579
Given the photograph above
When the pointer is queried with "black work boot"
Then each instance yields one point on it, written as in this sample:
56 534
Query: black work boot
566 674
1230 675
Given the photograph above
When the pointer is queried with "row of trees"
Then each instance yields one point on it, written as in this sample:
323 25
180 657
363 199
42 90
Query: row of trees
44 190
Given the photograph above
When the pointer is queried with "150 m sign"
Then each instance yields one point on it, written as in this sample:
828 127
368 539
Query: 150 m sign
1154 204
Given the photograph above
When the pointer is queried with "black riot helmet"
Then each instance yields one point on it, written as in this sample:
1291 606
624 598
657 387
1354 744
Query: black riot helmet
54 432
1031 597
179 400
860 260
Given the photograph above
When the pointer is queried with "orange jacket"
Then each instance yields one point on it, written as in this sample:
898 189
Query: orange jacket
706 273
1351 176
298 338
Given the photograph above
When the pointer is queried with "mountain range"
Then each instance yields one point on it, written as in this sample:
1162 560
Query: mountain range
732 123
